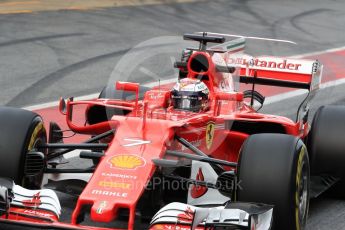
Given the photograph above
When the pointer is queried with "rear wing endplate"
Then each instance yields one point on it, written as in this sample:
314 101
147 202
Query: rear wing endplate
279 71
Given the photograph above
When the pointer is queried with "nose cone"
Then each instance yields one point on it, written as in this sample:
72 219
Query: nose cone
102 211
123 173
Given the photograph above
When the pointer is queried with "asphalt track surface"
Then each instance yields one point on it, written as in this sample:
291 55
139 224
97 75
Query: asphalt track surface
45 55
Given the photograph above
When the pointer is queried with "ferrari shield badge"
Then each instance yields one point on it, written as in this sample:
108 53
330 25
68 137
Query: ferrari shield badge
209 134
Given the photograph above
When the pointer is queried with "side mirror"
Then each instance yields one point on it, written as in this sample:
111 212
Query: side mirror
63 106
127 86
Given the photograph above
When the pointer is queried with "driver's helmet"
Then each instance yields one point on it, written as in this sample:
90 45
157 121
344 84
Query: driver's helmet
190 94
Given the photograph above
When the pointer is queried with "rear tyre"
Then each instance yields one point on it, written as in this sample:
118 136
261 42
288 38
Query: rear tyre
21 131
274 169
326 145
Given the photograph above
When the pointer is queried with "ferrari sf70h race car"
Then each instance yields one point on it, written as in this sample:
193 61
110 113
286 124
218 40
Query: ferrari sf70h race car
196 155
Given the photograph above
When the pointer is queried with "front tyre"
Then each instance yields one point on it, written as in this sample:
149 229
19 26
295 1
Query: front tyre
274 169
20 132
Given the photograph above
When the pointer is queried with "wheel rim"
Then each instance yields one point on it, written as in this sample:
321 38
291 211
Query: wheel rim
303 194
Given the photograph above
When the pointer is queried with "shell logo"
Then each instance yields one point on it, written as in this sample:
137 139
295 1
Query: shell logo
127 161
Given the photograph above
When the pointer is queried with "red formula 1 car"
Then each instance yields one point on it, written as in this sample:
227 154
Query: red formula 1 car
194 156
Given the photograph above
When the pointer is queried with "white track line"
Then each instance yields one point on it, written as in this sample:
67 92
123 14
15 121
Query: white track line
299 92
89 97
318 52
56 103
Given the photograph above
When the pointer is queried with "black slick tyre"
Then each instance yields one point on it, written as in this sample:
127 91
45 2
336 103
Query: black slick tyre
326 145
20 132
274 169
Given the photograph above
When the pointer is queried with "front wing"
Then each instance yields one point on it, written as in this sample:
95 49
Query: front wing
248 216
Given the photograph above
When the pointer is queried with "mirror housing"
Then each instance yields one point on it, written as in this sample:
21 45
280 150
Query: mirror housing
63 106
127 86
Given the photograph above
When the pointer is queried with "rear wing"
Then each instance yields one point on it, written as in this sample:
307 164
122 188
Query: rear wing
282 72
270 70
279 71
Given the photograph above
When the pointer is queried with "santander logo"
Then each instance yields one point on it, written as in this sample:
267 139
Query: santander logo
267 62
198 190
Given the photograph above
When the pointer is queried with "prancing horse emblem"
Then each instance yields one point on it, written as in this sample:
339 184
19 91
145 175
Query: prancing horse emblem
209 134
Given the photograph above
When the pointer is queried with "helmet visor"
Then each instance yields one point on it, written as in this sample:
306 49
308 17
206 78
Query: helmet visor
187 103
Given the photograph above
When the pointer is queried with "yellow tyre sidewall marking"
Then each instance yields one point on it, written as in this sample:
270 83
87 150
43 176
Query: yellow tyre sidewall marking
298 184
39 127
